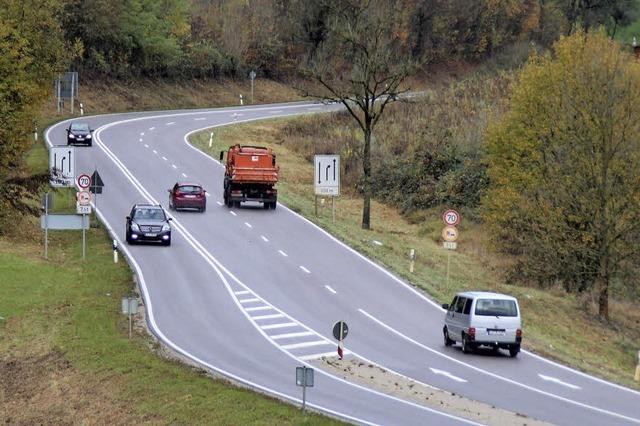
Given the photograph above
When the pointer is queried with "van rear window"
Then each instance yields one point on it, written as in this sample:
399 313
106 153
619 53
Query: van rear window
496 307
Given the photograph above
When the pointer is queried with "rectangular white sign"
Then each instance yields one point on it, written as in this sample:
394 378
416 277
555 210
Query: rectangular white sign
327 175
62 166
450 245
80 209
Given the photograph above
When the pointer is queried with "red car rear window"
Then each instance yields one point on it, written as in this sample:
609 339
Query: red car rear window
190 189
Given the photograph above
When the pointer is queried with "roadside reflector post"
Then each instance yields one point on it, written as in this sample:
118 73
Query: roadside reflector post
241 102
130 307
115 251
35 134
304 378
210 139
81 109
637 376
412 257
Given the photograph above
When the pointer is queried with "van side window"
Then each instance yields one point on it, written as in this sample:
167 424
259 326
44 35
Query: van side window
460 304
452 306
467 307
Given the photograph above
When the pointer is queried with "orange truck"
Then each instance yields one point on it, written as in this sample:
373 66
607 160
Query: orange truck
250 174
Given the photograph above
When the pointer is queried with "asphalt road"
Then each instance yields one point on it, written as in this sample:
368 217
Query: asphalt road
253 293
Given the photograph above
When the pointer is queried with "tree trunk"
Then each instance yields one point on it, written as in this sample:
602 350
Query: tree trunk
603 299
366 165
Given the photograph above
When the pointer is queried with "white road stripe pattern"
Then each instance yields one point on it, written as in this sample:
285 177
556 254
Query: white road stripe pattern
271 316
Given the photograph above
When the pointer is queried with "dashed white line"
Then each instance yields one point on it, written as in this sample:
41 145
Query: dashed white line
171 123
199 118
146 146
282 253
258 308
239 292
164 158
270 316
248 225
209 195
281 325
151 128
265 239
218 202
275 111
253 299
184 175
289 335
306 344
330 289
141 133
155 152
174 166
305 269
233 213
140 139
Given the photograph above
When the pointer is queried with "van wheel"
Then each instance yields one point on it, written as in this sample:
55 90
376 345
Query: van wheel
265 205
513 350
447 340
273 205
466 345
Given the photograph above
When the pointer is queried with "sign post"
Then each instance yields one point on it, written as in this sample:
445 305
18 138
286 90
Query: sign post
252 76
130 307
327 180
62 166
451 218
304 378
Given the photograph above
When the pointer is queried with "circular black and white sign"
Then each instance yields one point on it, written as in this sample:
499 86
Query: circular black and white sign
340 330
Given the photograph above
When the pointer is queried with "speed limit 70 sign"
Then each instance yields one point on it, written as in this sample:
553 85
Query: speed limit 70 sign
451 217
84 181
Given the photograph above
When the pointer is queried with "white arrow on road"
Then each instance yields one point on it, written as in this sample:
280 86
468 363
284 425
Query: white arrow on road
558 381
447 374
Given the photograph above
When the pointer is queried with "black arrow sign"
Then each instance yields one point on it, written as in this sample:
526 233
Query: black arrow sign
334 169
326 172
319 181
69 162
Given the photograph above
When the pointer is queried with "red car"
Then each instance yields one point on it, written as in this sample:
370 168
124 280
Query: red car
187 196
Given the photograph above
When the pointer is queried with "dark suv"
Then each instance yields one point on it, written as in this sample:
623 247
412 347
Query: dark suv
79 133
147 222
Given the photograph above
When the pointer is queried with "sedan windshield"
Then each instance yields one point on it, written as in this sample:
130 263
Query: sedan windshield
81 127
149 214
496 307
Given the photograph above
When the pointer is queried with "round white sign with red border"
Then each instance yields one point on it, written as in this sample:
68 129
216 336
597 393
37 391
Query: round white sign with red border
84 198
84 181
450 233
451 217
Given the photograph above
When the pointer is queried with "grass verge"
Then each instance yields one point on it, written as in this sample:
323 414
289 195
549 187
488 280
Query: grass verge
577 337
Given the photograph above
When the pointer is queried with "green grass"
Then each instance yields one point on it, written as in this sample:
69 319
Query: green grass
606 349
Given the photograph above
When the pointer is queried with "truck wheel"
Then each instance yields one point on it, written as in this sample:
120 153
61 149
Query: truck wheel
273 205
236 204
266 205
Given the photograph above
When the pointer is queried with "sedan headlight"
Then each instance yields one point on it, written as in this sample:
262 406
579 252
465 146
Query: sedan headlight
72 136
135 227
88 136
166 227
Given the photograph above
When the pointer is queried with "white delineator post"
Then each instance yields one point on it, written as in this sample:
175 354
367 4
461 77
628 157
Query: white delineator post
241 102
115 251
637 376
210 139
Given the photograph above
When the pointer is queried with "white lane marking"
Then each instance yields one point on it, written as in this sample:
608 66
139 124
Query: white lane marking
447 374
324 354
558 381
184 175
259 308
164 158
146 146
306 344
151 128
209 195
174 166
233 213
281 325
218 202
141 133
219 268
265 239
253 299
261 317
199 118
248 225
171 123
282 253
241 292
140 140
305 269
289 335
155 152
496 376
275 111
330 289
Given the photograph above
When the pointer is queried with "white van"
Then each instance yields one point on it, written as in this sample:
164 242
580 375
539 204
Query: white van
478 318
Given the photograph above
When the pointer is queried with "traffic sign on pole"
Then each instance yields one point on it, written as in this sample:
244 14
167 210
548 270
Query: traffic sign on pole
84 181
451 217
83 198
327 175
450 233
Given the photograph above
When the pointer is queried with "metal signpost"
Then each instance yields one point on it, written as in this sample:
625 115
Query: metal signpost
304 378
130 307
340 331
252 76
47 204
327 179
83 205
62 166
451 218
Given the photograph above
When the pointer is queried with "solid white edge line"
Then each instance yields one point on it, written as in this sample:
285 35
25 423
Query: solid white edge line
496 376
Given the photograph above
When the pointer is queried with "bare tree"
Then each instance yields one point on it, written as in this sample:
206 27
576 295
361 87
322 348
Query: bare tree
361 62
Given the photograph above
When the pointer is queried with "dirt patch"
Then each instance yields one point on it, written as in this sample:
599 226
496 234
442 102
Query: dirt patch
46 389
378 378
